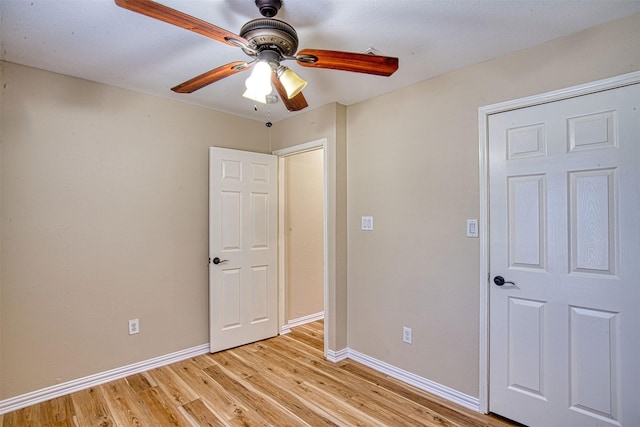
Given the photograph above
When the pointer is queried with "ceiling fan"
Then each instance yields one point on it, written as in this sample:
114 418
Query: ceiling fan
268 41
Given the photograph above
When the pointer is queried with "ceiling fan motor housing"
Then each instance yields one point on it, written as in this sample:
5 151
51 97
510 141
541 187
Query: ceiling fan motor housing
270 34
269 8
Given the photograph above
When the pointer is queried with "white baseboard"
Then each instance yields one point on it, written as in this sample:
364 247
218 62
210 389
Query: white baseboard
42 395
337 356
48 393
432 387
301 321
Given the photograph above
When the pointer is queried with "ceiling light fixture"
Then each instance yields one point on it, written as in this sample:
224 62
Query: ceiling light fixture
264 39
292 83
259 82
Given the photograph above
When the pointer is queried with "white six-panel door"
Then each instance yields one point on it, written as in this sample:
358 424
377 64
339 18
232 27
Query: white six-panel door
243 293
565 229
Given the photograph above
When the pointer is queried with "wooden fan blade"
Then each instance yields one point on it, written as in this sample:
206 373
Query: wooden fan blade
210 77
180 19
296 103
348 61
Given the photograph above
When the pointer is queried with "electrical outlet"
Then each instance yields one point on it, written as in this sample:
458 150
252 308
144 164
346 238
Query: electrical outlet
134 326
406 335
367 223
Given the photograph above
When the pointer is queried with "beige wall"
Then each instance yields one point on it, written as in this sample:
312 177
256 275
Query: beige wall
413 165
304 239
104 219
2 92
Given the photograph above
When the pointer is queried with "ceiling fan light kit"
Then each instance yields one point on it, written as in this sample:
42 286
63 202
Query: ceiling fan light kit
292 83
268 41
259 82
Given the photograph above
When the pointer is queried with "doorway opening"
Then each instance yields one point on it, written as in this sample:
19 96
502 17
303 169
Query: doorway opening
302 234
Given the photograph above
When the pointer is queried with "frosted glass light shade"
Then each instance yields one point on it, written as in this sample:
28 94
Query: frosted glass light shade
259 82
292 83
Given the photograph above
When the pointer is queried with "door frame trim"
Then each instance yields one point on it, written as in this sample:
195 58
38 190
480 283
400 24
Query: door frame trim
483 226
282 154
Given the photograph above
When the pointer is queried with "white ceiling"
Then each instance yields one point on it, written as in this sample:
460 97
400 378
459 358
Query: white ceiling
99 41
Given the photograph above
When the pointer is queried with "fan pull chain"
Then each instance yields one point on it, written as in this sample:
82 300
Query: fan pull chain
268 123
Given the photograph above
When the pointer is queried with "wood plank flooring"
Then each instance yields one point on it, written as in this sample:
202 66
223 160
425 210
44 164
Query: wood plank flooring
284 381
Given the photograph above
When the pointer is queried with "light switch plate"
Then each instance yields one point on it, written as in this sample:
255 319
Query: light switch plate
472 228
367 223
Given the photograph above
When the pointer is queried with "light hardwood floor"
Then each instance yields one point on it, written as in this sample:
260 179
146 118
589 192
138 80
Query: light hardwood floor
284 381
